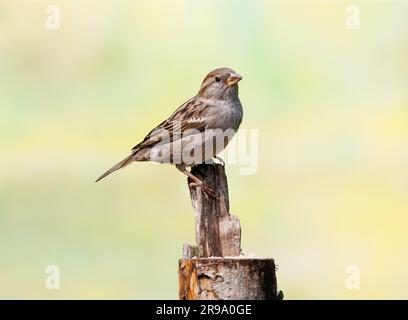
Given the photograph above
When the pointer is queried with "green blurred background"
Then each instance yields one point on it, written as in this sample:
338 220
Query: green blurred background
330 105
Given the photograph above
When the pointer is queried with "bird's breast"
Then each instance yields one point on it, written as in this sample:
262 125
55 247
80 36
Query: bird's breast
228 115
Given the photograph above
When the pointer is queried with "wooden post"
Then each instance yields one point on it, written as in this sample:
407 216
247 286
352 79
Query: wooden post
215 267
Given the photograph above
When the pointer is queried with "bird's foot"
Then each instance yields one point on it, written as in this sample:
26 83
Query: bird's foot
207 190
210 191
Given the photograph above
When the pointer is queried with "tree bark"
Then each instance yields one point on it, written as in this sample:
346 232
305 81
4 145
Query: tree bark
227 279
215 267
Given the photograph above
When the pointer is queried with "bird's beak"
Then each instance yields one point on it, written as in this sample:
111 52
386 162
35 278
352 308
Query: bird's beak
233 79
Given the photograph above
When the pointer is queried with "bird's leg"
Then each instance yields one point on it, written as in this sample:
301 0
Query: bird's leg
220 160
207 189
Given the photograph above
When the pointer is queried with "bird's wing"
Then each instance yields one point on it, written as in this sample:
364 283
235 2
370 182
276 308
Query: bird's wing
190 115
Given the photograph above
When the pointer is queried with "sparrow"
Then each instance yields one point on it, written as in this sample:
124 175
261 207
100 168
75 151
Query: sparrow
197 131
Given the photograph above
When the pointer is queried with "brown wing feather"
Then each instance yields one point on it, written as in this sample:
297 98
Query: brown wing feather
190 115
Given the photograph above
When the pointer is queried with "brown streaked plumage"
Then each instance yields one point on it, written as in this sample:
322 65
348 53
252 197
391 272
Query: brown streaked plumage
216 109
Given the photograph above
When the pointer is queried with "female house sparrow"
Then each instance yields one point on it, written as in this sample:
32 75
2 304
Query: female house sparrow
197 130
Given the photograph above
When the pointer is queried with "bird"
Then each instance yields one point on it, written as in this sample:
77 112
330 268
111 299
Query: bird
196 131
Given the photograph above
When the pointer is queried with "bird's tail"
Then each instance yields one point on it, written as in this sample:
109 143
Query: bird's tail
117 166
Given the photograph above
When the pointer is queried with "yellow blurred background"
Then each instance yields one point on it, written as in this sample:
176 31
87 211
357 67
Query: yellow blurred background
330 104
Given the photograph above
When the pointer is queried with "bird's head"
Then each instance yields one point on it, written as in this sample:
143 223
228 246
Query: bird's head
220 84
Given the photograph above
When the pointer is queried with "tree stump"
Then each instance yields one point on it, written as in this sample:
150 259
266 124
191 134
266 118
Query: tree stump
215 268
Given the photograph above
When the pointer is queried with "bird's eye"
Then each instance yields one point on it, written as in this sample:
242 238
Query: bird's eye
218 79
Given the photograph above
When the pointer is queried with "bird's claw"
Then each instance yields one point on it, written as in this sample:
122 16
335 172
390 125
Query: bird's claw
210 191
207 190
